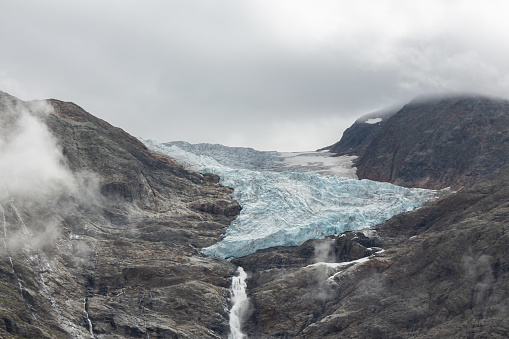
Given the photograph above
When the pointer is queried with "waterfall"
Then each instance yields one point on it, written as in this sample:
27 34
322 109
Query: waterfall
4 225
87 319
240 304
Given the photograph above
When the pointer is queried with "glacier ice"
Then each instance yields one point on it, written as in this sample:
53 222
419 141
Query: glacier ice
287 208
325 163
234 157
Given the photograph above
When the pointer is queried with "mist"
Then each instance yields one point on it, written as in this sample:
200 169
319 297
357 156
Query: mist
35 181
31 163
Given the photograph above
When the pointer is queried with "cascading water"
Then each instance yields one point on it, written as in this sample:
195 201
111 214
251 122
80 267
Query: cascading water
87 319
240 304
4 225
26 232
41 265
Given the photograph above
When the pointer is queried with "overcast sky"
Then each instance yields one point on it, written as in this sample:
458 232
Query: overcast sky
283 75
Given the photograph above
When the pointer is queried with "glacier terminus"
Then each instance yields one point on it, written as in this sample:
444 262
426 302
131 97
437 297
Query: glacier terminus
286 202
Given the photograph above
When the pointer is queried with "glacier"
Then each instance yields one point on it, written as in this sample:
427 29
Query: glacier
286 208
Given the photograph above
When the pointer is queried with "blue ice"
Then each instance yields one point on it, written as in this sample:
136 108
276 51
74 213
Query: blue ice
288 208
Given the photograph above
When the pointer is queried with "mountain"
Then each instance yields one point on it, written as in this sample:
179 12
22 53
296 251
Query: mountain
432 142
440 271
102 236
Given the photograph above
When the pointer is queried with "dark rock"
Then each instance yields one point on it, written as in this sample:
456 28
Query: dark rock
215 206
265 264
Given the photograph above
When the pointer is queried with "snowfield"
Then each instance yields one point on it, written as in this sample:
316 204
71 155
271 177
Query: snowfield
284 201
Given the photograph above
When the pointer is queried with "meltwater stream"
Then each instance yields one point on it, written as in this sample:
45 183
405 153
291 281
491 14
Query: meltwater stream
240 304
286 205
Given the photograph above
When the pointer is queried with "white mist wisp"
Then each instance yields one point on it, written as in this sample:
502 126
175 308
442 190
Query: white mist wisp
240 304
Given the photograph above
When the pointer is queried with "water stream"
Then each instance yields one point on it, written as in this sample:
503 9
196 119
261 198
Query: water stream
4 224
87 319
240 304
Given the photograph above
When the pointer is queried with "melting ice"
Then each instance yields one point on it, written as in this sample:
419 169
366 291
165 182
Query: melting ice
286 208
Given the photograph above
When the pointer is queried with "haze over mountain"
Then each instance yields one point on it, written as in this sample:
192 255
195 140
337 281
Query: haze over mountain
103 238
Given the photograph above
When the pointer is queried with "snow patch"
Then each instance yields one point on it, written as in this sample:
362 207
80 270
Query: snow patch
373 121
346 264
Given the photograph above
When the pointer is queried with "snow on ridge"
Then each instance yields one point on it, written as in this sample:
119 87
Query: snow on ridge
373 121
285 208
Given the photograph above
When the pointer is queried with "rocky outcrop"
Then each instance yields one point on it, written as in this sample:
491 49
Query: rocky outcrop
115 254
440 271
433 142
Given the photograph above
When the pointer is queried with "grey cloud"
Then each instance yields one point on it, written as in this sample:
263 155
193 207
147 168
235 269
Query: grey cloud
222 71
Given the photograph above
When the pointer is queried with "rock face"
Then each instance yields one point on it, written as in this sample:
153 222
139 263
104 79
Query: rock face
114 253
433 143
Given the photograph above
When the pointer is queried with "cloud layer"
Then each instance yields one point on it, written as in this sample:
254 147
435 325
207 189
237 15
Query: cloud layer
284 75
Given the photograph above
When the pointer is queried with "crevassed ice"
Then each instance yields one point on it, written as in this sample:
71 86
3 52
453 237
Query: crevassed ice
288 208
233 157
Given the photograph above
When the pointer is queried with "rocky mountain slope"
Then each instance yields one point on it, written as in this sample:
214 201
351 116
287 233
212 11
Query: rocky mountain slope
111 247
432 142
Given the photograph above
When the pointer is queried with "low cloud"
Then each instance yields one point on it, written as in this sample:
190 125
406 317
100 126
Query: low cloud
35 183
31 163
